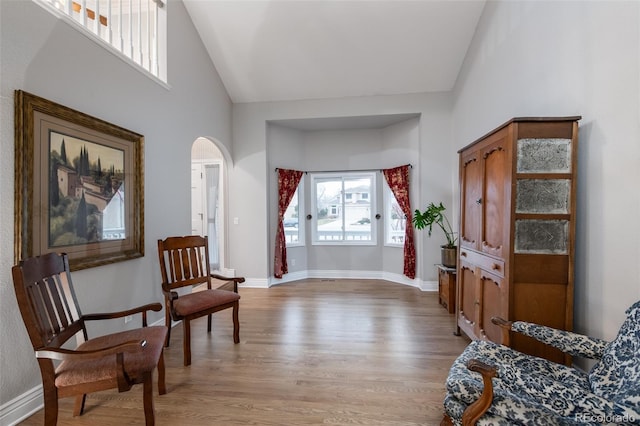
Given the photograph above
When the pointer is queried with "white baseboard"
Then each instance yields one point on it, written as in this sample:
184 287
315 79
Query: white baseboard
255 283
21 407
349 274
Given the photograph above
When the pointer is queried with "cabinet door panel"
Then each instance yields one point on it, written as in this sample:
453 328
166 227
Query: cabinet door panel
496 159
493 303
471 198
468 298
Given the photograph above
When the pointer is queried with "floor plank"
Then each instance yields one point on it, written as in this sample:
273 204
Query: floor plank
332 352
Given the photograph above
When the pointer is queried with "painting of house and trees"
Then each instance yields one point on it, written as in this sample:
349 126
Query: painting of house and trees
86 191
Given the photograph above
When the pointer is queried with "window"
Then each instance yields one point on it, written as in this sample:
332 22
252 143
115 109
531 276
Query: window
343 206
394 219
136 29
294 219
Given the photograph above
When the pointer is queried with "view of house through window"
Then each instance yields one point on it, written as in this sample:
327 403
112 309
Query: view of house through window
395 221
343 208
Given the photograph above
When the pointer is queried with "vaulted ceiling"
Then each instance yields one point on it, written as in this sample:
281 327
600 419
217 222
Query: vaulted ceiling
272 50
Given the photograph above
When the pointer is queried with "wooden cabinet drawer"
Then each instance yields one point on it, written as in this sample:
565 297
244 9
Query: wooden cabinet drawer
493 265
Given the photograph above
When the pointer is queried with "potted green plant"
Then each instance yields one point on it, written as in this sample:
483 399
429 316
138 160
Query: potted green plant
434 215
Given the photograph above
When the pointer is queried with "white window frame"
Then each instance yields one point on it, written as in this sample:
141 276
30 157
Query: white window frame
389 200
78 13
301 218
316 176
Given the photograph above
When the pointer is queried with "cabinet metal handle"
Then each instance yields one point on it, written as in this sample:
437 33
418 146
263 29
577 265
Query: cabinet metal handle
495 267
479 201
463 253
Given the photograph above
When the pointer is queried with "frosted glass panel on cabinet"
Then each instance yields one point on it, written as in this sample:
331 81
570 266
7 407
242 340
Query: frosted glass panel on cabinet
543 196
544 155
542 236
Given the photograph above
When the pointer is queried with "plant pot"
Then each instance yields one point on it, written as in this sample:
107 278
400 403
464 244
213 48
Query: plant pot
449 256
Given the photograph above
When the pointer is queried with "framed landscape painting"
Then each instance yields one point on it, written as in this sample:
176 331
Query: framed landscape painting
78 185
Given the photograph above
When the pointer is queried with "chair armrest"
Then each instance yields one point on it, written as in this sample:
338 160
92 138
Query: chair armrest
156 307
235 280
474 411
170 294
574 344
69 354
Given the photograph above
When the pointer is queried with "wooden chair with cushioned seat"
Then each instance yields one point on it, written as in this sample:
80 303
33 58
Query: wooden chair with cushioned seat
184 262
52 317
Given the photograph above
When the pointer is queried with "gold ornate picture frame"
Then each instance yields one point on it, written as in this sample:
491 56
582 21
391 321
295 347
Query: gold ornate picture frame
79 186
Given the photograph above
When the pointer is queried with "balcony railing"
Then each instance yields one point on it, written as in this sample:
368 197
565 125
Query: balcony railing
131 27
344 236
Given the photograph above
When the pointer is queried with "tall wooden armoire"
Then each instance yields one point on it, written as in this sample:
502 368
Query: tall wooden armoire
517 230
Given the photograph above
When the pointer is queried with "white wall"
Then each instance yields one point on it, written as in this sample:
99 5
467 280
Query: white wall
533 58
370 148
433 176
354 149
401 146
45 56
285 151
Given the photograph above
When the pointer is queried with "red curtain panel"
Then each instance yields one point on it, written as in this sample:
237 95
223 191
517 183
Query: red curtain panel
398 180
288 181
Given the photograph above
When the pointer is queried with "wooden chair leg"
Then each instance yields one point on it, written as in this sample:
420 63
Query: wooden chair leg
162 387
167 322
186 343
78 409
236 323
50 406
209 323
147 389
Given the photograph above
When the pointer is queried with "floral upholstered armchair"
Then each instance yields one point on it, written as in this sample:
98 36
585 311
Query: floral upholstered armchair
491 384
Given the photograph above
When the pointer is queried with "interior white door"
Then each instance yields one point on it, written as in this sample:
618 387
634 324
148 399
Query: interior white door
212 186
198 218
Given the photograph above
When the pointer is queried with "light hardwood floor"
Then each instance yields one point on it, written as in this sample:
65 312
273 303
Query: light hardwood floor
313 352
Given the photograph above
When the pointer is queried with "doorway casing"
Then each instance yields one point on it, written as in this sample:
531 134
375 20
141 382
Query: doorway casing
209 198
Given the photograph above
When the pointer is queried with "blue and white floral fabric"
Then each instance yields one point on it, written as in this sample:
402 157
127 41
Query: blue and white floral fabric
567 341
533 391
617 376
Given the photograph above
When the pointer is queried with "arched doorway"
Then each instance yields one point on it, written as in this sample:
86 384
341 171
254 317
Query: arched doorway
207 198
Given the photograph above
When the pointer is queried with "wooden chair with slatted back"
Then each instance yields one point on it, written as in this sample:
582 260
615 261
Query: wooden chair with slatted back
184 262
52 317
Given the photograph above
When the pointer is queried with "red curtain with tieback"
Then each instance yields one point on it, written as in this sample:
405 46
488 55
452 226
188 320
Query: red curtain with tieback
398 180
288 181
